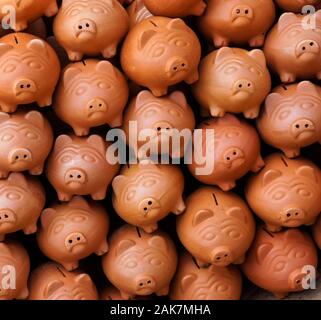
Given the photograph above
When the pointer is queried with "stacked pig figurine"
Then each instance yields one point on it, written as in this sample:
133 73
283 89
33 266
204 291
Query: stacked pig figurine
160 229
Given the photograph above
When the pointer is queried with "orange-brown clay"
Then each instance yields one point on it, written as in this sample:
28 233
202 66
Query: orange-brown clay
296 5
137 12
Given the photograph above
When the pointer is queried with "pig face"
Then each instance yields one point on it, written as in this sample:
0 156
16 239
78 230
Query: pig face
276 261
139 263
233 80
26 139
165 52
216 228
78 166
27 55
91 93
213 283
137 12
296 5
291 116
146 193
67 232
52 282
286 192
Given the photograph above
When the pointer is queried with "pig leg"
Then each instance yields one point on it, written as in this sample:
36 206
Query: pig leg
199 8
192 78
21 25
80 132
151 228
287 77
117 122
205 113
4 174
291 153
180 206
7 107
163 292
70 265
74 56
36 171
126 296
257 41
46 102
280 295
159 92
103 248
216 111
273 228
226 185
110 51
23 294
201 263
52 9
259 164
252 113
220 41
63 196
240 260
100 195
30 228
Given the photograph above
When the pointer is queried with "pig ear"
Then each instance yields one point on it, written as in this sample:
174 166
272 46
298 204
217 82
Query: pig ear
78 201
18 179
47 216
308 172
222 54
237 212
118 184
201 216
123 246
35 118
83 278
4 48
175 24
142 97
105 67
145 37
69 74
272 100
5 250
258 56
307 87
262 251
179 98
62 140
52 287
270 176
98 143
187 281
158 242
38 46
286 19
4 117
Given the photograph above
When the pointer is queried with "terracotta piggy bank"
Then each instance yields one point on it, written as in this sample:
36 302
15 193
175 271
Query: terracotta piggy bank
233 80
112 293
235 148
90 27
26 139
27 11
91 93
15 267
175 8
213 283
146 193
73 231
167 117
78 166
294 51
239 22
285 193
137 12
217 227
25 62
296 5
51 281
291 116
276 262
160 52
21 202
139 263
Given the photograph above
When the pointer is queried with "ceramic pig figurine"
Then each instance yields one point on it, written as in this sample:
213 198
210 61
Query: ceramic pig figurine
239 22
160 52
27 11
233 80
21 202
90 27
286 193
296 5
276 262
139 263
51 281
163 116
175 8
26 139
78 166
73 231
137 12
217 227
91 93
146 193
25 62
236 150
13 256
213 283
291 116
293 51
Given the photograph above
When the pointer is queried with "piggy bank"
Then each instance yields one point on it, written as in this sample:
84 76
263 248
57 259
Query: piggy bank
166 117
213 283
175 8
292 50
291 117
160 52
21 202
279 262
90 27
235 149
91 93
112 293
296 5
26 139
73 231
137 12
286 193
239 22
146 193
139 263
14 267
25 62
233 80
51 281
217 227
26 11
78 166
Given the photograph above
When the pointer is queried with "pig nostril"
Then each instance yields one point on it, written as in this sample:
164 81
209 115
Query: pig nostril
78 238
22 86
28 85
79 27
234 153
79 176
17 157
100 105
159 128
150 203
90 107
238 11
311 44
297 126
297 213
306 125
218 258
240 86
303 48
288 215
87 25
175 68
25 156
228 158
145 209
70 241
149 282
71 176
6 216
248 84
183 64
141 284
246 11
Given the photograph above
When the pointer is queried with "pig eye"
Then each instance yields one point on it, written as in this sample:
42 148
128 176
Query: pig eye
35 65
278 195
174 113
98 10
7 137
74 12
234 234
150 113
131 264
222 287
231 70
80 91
284 114
13 196
255 70
58 228
299 254
66 159
209 236
78 219
10 68
279 266
307 105
104 85
304 193
294 33
31 135
155 262
158 52
181 43
232 135
89 158
131 195
149 183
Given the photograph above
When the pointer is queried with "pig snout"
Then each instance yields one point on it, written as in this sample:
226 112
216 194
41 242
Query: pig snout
221 256
243 86
25 86
296 279
242 14
149 205
75 175
145 284
7 216
176 65
302 126
163 126
96 105
306 47
233 157
74 239
292 215
20 155
85 26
